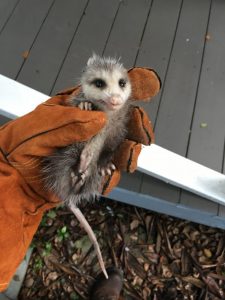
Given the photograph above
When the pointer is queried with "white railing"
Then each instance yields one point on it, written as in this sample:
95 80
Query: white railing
17 99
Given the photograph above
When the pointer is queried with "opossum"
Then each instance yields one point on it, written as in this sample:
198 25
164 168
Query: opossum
76 173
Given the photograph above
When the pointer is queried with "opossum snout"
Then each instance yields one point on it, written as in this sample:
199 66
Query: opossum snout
115 102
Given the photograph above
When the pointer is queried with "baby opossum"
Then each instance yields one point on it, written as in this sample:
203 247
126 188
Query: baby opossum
75 173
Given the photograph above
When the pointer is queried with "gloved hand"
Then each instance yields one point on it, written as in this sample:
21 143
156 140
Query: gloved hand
24 141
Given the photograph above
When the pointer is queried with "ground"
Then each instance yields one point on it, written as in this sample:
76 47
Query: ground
161 257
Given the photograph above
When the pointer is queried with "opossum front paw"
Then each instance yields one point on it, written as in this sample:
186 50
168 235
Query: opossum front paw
85 105
107 170
78 180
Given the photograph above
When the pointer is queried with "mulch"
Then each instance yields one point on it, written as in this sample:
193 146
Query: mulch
162 258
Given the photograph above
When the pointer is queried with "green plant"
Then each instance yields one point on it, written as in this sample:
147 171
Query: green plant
38 263
51 214
62 233
48 249
74 296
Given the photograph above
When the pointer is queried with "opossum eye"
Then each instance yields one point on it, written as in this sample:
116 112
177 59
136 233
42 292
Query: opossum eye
99 83
122 83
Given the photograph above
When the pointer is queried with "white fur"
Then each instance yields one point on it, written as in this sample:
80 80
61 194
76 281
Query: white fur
112 95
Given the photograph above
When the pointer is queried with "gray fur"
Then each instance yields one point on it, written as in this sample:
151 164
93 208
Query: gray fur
57 168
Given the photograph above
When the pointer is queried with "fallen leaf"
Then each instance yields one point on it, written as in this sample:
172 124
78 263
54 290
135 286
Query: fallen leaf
207 253
25 54
203 125
134 224
213 286
195 281
52 276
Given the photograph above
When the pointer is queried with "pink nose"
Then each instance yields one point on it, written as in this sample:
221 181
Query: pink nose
115 100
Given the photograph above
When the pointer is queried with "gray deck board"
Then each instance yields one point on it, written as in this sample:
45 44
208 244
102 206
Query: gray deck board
157 43
178 95
168 36
126 32
50 47
131 182
221 211
207 143
158 189
6 9
19 34
177 104
91 37
155 51
199 203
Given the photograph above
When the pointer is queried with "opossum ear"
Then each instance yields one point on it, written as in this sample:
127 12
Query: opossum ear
145 83
92 59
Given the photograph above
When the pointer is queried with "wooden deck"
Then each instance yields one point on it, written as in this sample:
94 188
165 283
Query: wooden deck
45 44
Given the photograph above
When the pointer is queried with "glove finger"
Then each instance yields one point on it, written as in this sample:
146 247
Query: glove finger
70 91
56 113
140 127
51 125
76 131
110 182
145 83
126 156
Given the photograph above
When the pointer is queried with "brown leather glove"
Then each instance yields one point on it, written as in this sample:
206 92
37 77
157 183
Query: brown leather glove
24 141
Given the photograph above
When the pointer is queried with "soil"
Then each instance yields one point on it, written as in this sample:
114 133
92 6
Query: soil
162 258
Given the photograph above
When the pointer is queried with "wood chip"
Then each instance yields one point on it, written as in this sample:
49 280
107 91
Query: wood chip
161 257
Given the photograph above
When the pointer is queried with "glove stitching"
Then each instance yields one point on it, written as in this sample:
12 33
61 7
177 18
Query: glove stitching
106 185
129 162
40 205
68 91
144 128
36 135
4 155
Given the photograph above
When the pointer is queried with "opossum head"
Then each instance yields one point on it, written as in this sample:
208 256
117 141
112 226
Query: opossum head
106 81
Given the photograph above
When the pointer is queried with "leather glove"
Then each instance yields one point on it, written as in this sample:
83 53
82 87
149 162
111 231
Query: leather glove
26 140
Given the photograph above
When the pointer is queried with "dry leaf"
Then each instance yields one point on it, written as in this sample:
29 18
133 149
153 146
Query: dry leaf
178 260
166 272
25 54
207 253
213 286
146 292
134 224
195 281
52 276
146 267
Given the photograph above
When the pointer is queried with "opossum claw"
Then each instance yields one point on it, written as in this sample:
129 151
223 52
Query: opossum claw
85 105
108 169
78 180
